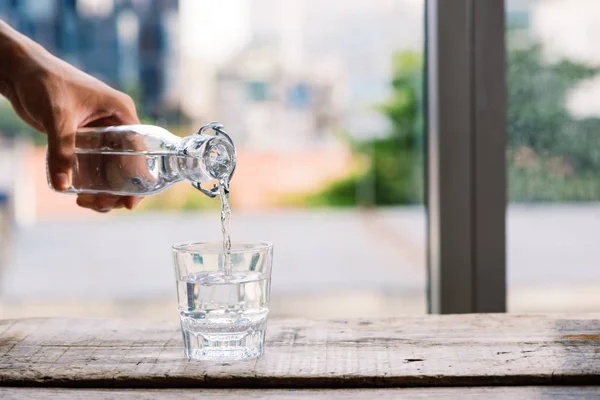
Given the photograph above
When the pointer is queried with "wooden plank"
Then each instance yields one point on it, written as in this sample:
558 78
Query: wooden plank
489 393
467 350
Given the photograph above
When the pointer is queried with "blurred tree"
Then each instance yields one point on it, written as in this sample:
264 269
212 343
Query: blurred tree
395 163
552 156
537 113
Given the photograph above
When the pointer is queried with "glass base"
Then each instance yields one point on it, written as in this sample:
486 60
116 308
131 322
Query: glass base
224 346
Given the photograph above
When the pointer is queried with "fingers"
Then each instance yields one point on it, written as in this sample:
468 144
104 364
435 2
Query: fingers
131 202
127 113
119 109
100 203
104 203
61 149
114 108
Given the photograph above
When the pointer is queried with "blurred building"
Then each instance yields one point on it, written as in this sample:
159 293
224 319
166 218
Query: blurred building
270 103
130 44
339 53
359 37
158 54
518 24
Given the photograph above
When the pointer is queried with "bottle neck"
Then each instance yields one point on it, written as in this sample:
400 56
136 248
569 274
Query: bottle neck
204 158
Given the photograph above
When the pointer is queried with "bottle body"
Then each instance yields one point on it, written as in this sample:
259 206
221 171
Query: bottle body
141 160
138 174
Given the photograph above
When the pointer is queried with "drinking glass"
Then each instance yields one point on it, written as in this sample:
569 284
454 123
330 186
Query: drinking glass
223 311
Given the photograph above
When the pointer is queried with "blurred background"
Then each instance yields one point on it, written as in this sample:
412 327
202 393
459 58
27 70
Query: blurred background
325 103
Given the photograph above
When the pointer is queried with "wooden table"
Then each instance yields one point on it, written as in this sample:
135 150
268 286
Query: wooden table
413 356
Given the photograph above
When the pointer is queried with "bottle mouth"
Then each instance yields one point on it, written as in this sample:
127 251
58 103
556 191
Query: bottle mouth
219 158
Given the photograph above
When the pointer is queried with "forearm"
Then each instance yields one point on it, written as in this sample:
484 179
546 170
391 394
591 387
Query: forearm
19 55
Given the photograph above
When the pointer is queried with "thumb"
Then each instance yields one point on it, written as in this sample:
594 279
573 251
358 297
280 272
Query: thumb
61 151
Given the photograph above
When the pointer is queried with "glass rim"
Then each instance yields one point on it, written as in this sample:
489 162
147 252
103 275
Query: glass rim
255 246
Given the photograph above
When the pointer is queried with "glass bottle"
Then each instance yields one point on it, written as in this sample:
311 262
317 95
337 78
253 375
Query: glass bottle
140 160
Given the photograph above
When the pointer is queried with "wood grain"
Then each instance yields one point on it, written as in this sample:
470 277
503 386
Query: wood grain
478 349
489 393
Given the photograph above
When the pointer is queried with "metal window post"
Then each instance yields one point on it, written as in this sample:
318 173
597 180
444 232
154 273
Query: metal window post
466 156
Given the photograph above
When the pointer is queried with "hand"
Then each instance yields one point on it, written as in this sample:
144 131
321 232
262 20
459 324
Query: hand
56 98
131 171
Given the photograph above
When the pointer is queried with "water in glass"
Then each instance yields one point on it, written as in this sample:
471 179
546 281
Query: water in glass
224 317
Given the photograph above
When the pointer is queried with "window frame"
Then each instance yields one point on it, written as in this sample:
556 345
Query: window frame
466 162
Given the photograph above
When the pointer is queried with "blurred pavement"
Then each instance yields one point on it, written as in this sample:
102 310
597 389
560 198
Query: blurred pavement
327 262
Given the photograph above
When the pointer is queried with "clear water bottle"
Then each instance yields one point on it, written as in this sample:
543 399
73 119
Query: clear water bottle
140 160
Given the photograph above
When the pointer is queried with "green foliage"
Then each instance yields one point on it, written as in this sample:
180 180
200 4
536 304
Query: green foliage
537 92
541 183
341 193
552 156
404 107
563 153
395 163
